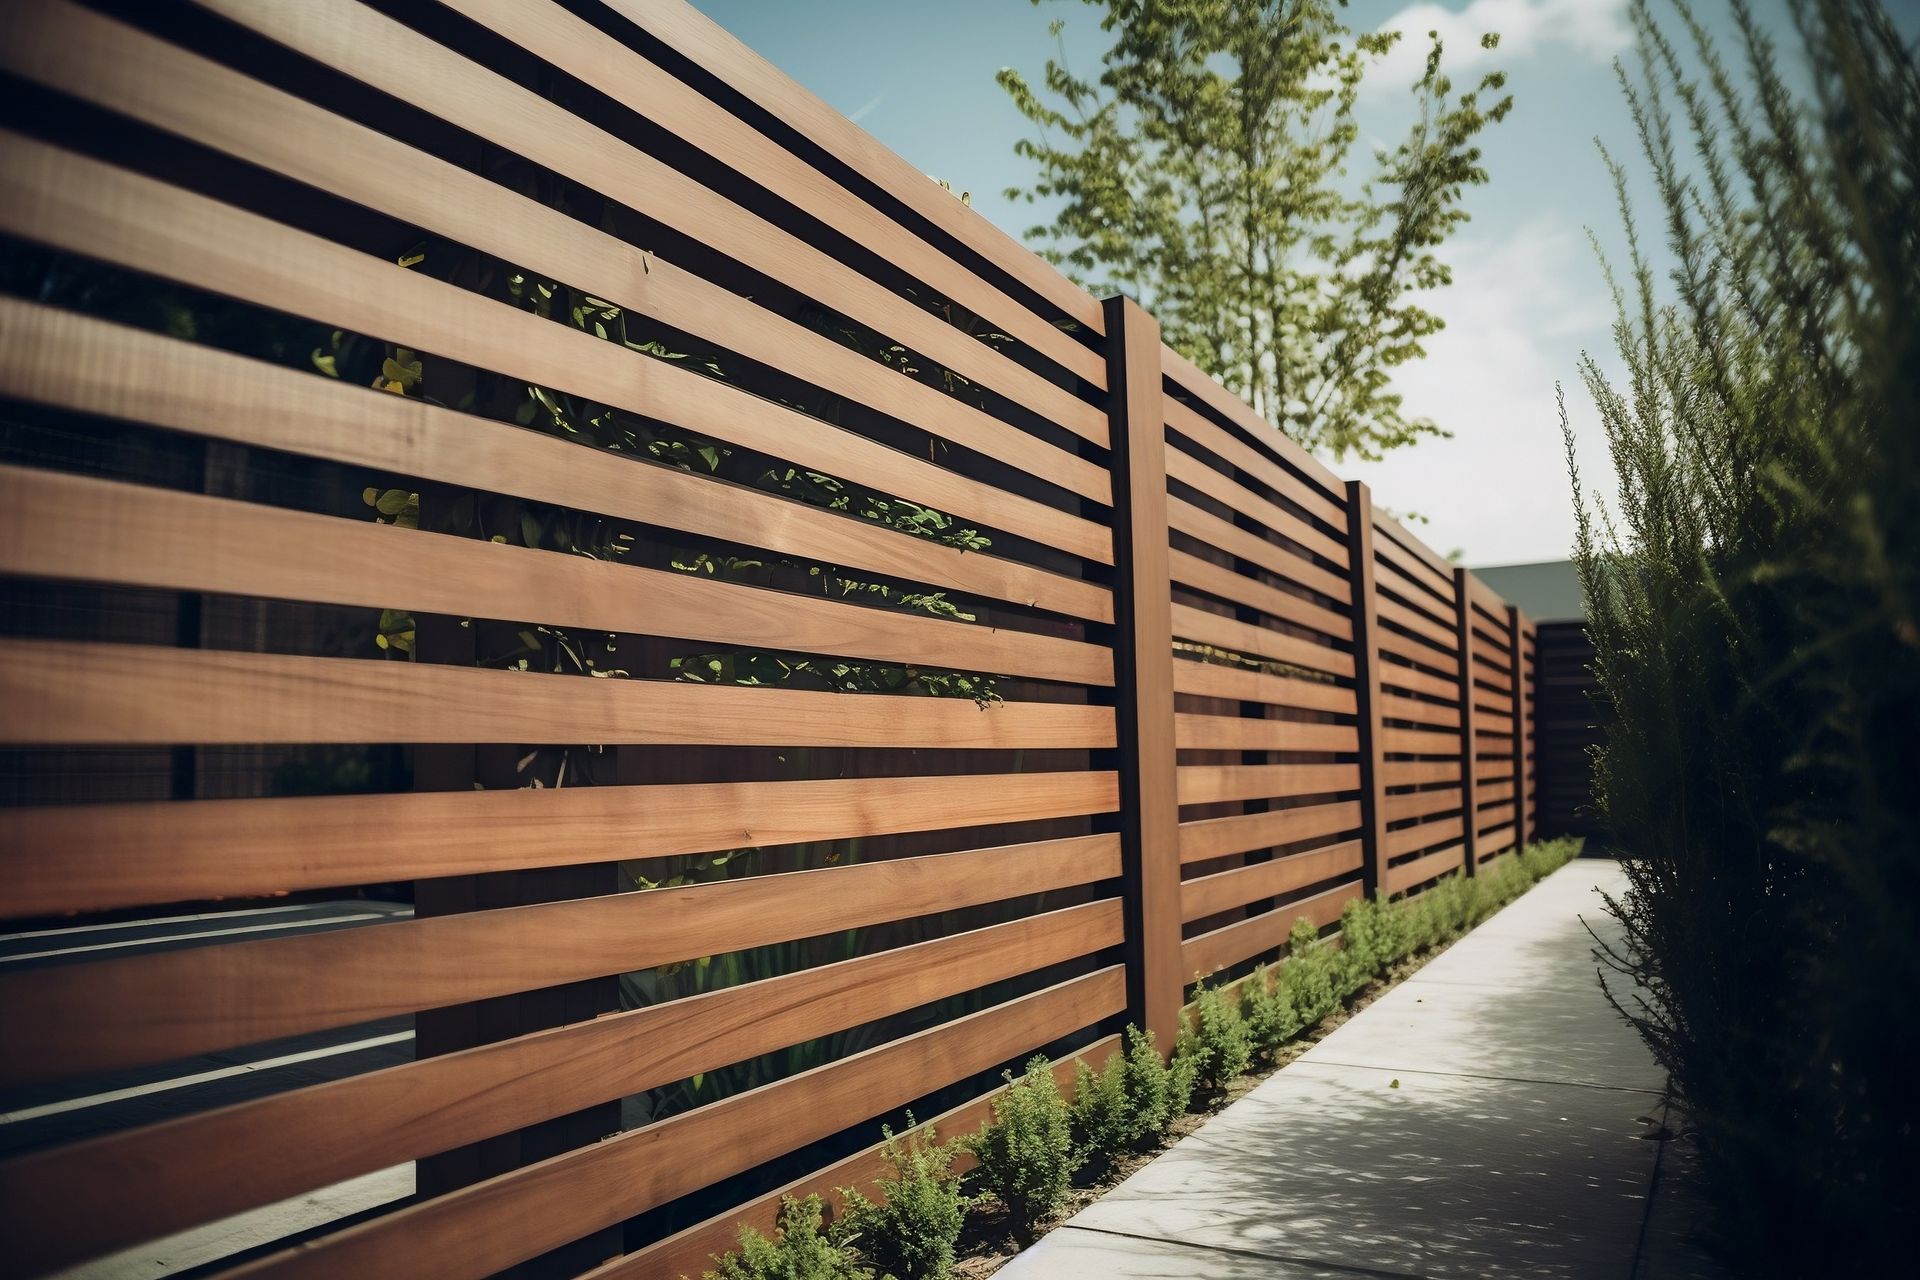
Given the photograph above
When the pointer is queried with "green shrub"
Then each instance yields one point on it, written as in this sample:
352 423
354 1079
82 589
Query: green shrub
801 1250
1130 1103
1157 1091
1217 1044
1309 978
1026 1155
1100 1118
912 1232
1271 1017
1754 605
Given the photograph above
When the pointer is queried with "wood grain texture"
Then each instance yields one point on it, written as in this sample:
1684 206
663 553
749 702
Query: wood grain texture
1405 840
1251 426
1205 896
153 81
116 694
1246 832
1202 627
1208 953
75 362
579 48
689 33
63 1205
1238 589
1217 783
1216 680
64 858
1230 733
142 536
70 202
76 1018
1424 869
1143 669
1222 535
1223 488
481 1229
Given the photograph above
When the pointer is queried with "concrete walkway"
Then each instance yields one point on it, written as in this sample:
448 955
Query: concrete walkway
1490 1116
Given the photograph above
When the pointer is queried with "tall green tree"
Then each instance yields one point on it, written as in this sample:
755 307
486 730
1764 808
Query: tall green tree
1205 172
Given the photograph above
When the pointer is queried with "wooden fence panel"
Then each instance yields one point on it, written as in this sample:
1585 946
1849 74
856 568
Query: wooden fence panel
565 662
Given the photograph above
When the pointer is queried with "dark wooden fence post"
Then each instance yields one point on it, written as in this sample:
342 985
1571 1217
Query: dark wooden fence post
1143 670
1469 787
1522 699
1366 686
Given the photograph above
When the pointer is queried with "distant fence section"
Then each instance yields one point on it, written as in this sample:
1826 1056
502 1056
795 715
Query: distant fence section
580 635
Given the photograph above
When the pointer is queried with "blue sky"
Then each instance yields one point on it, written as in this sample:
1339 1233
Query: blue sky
1528 295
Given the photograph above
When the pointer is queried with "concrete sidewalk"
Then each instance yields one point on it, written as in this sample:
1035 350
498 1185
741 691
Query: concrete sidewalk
1490 1116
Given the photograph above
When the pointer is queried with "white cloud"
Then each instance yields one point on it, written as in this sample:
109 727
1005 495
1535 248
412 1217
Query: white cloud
1597 29
1521 309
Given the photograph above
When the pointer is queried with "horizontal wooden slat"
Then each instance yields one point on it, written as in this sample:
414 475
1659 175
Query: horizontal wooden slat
1429 866
1498 840
687 32
1215 680
116 694
1498 703
392 58
581 49
1418 741
1419 804
1418 622
80 205
1498 789
1406 545
1222 488
1419 836
1414 773
1216 783
1203 627
1230 733
1210 952
72 361
1397 675
1417 650
1490 817
142 536
76 1018
1431 588
1262 467
175 90
483 1228
1395 706
691 1250
1189 570
1271 443
1411 596
68 1203
1242 833
96 857
1204 896
1230 538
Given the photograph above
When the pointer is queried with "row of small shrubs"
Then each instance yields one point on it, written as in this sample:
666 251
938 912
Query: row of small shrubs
1039 1141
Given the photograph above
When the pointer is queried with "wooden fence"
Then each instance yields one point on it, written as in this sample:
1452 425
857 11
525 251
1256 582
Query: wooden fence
777 651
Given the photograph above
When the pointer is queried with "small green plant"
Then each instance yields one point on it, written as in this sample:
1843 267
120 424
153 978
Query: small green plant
1130 1103
912 1231
1217 1043
1308 980
802 1249
1271 1017
1026 1155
